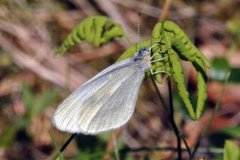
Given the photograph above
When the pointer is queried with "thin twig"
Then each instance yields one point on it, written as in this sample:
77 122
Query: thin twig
149 149
216 108
168 148
165 10
159 94
187 147
64 146
172 121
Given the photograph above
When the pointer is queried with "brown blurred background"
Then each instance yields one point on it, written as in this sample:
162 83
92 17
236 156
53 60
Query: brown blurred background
33 81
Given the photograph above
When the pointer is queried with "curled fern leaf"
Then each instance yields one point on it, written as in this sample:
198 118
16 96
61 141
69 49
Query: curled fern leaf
180 42
180 46
177 72
202 93
95 30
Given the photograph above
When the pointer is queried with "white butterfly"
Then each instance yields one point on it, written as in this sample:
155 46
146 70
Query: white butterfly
107 100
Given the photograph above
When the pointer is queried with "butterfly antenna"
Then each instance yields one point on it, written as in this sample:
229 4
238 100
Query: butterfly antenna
138 26
138 29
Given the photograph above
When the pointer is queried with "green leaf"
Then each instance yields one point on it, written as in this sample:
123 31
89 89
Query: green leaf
231 151
95 30
233 132
43 100
179 79
234 77
201 91
233 26
28 97
58 154
8 135
81 155
35 104
220 68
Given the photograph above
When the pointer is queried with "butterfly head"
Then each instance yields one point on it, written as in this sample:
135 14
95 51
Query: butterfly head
143 54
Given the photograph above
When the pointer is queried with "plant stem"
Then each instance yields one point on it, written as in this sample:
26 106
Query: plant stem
168 148
64 146
172 121
166 8
159 94
187 147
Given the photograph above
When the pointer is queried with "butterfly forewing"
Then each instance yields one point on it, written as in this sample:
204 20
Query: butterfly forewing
103 103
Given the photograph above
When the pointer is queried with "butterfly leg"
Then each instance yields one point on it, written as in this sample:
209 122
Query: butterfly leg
160 59
153 73
155 44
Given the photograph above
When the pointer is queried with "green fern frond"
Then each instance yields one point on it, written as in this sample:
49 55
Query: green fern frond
95 30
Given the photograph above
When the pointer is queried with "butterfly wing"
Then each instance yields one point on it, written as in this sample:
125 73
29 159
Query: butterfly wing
105 102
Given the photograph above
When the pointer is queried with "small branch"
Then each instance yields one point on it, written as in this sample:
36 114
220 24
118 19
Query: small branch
159 94
172 122
165 10
64 146
168 148
187 147
170 112
148 149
